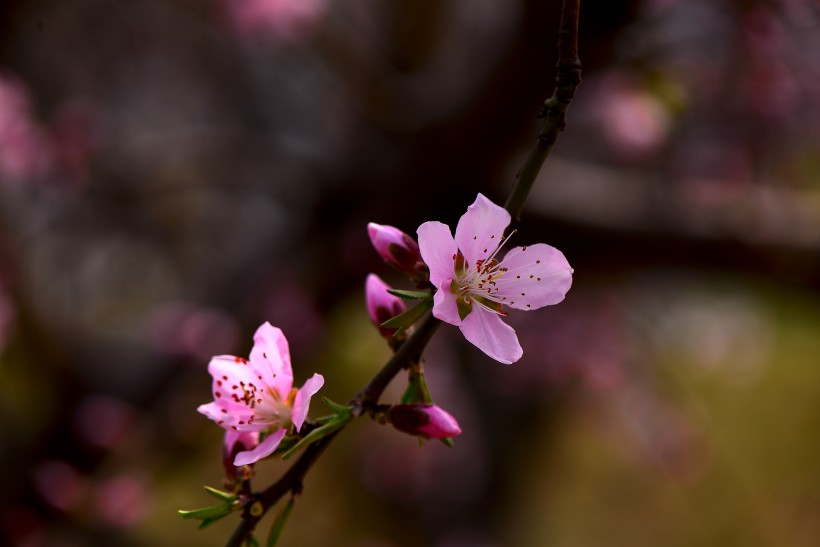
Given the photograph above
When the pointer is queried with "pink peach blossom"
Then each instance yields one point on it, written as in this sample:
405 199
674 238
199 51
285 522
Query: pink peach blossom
474 286
257 395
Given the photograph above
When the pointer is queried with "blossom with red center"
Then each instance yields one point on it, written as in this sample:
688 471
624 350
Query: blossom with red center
475 287
257 394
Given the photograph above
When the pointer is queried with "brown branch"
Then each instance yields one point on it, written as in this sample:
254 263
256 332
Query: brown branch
567 79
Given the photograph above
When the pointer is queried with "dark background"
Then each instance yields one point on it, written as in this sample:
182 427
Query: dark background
175 172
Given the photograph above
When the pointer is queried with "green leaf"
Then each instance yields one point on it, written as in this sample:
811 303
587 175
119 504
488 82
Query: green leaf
411 295
251 542
220 495
319 433
409 317
214 511
339 410
279 522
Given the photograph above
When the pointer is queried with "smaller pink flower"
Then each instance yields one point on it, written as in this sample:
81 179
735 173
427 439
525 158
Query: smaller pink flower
257 395
398 250
425 420
474 286
381 305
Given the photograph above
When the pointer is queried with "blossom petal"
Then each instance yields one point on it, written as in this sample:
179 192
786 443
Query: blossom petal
270 358
445 304
302 400
437 248
480 229
537 276
265 448
486 331
230 377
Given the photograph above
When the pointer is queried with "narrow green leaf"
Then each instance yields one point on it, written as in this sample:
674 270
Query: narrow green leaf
337 409
319 433
409 317
411 295
279 523
251 542
220 495
207 512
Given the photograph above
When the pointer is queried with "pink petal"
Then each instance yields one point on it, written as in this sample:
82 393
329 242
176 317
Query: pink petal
486 331
270 358
479 230
437 248
302 400
445 304
265 448
537 276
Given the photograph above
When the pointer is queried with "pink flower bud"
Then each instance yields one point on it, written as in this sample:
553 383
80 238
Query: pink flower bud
236 442
398 250
424 420
381 305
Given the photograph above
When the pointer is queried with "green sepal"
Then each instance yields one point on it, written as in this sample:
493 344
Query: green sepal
411 295
404 320
338 422
448 442
339 410
220 495
279 522
417 391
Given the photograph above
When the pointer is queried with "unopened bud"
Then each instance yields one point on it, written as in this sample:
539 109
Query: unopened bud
398 250
381 305
424 420
236 442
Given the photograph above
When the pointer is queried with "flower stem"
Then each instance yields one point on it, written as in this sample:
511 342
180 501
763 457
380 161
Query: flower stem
567 79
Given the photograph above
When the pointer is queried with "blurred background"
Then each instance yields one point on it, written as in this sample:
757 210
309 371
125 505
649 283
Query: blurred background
175 172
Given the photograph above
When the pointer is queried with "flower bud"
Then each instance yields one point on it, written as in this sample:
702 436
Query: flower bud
381 305
398 250
236 442
424 420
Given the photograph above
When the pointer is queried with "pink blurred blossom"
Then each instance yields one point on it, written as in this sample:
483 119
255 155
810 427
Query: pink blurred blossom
59 484
23 148
123 500
634 123
181 328
285 19
103 421
257 395
474 286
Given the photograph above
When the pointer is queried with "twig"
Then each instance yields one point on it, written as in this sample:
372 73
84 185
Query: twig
567 79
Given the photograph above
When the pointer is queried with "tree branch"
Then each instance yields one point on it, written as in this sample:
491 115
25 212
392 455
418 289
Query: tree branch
567 79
